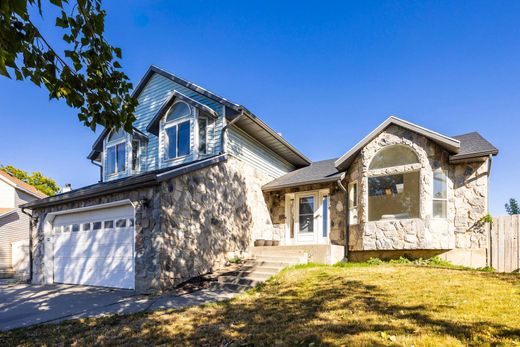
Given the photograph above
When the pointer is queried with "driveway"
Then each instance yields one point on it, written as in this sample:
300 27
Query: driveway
23 305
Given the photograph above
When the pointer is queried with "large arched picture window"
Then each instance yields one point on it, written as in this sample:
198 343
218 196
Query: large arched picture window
394 196
177 131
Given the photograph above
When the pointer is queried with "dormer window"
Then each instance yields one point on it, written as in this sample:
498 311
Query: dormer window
177 134
116 152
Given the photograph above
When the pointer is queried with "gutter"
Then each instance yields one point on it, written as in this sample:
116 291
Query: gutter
347 218
30 244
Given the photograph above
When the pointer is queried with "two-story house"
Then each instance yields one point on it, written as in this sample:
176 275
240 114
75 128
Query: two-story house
14 225
200 177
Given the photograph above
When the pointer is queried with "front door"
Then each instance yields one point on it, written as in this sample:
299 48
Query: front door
306 213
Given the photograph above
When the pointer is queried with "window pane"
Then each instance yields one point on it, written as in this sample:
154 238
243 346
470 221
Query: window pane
86 227
117 135
66 229
108 224
393 156
75 227
131 222
57 229
439 208
393 197
96 225
352 195
439 185
135 155
121 223
325 213
306 218
171 138
203 123
179 110
111 160
121 157
184 139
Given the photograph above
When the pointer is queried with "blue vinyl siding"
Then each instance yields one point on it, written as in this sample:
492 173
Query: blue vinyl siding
151 99
254 153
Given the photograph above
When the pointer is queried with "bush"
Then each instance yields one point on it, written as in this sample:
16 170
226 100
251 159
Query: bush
401 260
375 261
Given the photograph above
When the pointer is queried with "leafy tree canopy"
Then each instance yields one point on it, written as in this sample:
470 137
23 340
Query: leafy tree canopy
512 207
44 184
86 73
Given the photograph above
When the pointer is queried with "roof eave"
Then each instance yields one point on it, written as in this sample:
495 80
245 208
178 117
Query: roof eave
447 142
477 155
267 188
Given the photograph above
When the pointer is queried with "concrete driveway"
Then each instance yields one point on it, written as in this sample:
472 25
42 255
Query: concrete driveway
23 305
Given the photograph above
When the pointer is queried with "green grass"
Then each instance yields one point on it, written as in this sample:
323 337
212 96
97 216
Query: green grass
347 304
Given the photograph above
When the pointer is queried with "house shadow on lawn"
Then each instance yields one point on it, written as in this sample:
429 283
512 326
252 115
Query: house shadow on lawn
325 310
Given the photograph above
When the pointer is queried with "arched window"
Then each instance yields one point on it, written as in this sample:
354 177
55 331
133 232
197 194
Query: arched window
395 155
177 131
178 110
393 196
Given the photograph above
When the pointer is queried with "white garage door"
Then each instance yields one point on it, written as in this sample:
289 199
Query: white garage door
95 248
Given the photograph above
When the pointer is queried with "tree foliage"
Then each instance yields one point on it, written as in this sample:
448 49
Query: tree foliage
512 207
44 184
86 74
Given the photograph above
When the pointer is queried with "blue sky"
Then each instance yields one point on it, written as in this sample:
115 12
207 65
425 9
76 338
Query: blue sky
322 74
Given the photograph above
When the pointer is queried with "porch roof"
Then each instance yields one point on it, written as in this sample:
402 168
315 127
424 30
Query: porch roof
318 172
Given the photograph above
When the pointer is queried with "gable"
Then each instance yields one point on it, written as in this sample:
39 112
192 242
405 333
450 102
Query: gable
450 144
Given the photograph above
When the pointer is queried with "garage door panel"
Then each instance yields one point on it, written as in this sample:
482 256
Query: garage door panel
88 250
102 257
98 237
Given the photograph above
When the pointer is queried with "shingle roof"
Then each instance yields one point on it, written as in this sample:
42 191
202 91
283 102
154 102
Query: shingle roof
123 184
317 172
473 145
22 185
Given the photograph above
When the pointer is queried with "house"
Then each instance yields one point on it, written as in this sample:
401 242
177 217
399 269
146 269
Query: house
200 178
14 225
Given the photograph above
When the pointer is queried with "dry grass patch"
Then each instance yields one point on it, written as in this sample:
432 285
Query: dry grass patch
311 306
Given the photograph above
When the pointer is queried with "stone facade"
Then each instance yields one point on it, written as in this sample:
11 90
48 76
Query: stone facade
466 199
183 226
467 185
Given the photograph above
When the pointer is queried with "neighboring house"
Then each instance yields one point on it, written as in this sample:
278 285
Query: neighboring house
14 224
200 178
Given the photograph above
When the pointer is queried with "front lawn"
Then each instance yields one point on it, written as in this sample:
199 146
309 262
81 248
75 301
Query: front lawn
376 305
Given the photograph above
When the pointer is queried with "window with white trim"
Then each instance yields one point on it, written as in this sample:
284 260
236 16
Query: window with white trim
440 194
353 203
177 132
116 152
203 135
393 196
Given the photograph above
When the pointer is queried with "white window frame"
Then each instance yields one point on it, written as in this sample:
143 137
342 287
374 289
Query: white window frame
353 210
440 170
138 155
115 143
164 141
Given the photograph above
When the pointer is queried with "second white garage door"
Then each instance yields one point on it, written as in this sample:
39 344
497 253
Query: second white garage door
95 248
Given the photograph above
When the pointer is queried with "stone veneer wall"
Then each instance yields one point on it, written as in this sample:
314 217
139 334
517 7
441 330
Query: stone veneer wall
276 202
184 226
209 214
467 200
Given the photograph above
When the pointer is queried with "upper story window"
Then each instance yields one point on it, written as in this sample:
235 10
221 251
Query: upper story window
203 135
393 196
353 202
177 134
116 152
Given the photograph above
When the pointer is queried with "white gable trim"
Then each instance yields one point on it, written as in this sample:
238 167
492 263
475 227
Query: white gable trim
447 142
14 185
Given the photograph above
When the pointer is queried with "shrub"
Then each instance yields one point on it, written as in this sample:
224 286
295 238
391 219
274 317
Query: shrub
375 261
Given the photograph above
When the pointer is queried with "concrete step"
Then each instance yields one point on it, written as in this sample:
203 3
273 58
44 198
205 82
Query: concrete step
273 264
228 286
261 276
260 268
243 281
281 259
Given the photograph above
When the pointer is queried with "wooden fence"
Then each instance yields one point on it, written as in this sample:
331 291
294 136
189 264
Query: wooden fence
504 243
